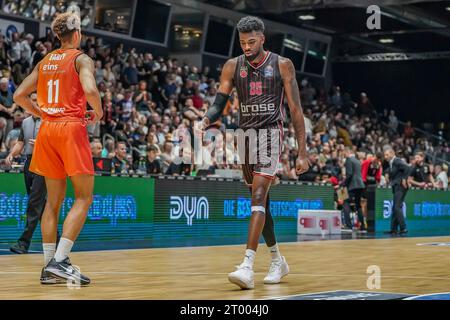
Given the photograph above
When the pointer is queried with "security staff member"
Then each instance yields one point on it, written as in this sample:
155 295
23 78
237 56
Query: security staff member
398 175
35 184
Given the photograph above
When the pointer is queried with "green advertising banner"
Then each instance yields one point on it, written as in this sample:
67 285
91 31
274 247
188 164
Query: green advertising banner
208 212
122 208
427 211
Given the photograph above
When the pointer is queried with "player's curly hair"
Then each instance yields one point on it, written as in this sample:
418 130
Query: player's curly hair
250 23
65 24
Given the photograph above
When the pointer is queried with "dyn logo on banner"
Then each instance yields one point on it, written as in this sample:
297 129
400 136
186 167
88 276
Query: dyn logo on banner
388 206
190 207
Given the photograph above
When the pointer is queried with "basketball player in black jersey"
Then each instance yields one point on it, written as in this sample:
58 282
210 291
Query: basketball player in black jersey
261 79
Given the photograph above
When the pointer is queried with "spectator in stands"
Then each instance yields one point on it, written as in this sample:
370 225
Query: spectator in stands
336 98
125 107
197 99
441 172
314 168
143 99
96 148
153 164
287 171
15 48
408 130
38 54
393 122
130 74
108 150
7 106
365 107
26 52
119 161
3 125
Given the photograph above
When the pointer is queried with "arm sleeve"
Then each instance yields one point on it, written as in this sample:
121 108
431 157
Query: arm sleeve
215 111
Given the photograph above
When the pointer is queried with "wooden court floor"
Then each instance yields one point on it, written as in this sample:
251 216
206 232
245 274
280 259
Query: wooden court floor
201 272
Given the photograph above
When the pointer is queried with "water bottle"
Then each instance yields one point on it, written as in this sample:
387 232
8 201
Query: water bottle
141 168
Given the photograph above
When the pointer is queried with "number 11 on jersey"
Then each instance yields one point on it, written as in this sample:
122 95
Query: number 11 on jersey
50 84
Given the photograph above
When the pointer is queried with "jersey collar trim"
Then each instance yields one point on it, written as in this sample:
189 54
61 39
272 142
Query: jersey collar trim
261 63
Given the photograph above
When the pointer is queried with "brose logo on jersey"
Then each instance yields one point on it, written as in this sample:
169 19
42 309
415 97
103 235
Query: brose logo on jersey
257 108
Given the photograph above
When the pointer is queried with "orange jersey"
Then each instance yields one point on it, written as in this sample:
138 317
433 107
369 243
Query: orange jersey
59 92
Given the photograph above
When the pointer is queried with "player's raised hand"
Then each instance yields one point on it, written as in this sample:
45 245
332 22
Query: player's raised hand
301 165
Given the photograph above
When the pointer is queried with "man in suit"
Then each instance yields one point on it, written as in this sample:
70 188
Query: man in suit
355 186
398 176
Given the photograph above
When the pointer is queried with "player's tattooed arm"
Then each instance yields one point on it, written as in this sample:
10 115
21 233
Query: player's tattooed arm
287 71
226 85
27 87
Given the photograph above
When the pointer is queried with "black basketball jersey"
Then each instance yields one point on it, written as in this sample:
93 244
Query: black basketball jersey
260 91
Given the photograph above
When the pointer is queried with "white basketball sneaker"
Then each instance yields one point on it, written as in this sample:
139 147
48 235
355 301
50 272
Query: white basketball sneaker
278 269
242 277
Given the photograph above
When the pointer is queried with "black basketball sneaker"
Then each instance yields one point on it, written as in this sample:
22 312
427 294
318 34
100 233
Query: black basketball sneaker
47 278
65 271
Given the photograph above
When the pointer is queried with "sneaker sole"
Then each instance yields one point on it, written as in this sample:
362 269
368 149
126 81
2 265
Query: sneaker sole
50 281
58 274
241 284
18 251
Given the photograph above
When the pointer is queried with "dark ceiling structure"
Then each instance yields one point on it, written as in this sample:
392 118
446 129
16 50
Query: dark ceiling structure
407 26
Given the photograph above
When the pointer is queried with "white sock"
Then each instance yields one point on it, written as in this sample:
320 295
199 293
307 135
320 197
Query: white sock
49 252
64 247
275 252
249 259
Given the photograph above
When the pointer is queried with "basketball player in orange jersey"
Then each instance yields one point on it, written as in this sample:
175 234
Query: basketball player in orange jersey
64 81
262 79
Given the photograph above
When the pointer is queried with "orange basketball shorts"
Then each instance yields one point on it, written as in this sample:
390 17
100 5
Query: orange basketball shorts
62 149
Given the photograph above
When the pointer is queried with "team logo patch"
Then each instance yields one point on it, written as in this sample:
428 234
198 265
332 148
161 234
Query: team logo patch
268 71
243 72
